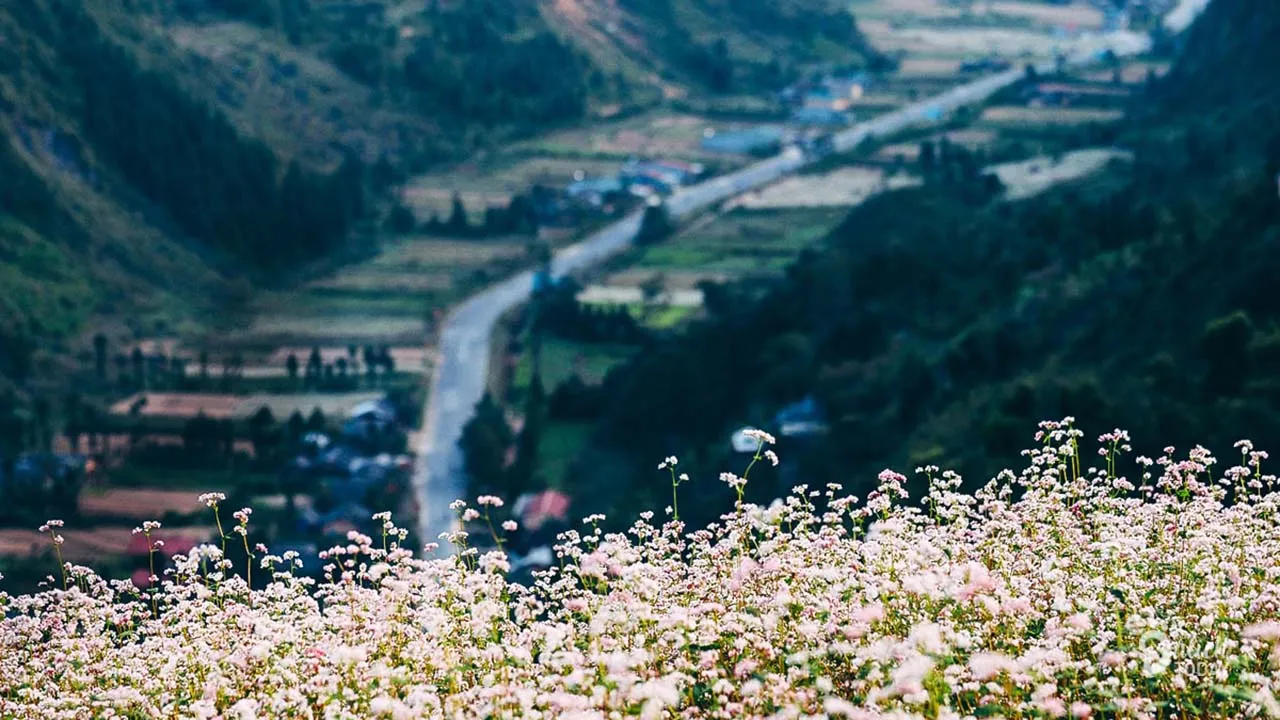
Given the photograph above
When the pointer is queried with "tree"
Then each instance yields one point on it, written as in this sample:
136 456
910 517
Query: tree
100 356
370 364
401 220
719 66
200 436
139 379
1225 344
204 366
122 366
652 290
177 371
72 412
521 475
656 225
928 159
291 365
43 423
315 366
263 435
484 444
457 224
316 422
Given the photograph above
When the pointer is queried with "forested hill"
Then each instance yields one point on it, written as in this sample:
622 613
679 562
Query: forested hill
938 326
736 45
1229 67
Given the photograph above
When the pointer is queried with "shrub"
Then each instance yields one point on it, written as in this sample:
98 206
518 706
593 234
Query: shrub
1060 591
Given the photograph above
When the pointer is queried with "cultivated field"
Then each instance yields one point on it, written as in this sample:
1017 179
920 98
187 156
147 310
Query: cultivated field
240 407
492 183
844 187
615 294
406 359
139 503
652 134
910 151
87 545
1132 72
1079 15
384 300
1019 116
735 244
1031 177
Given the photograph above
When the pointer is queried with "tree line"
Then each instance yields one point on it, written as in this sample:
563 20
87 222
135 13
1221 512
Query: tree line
226 190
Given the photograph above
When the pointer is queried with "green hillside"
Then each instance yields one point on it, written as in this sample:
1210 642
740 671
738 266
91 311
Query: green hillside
937 325
159 158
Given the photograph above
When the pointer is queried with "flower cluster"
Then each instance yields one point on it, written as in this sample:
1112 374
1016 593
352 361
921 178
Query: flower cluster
1057 592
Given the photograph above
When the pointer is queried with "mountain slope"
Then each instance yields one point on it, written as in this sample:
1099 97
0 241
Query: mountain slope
176 144
937 327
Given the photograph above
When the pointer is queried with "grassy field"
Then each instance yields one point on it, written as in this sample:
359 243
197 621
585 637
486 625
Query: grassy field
562 359
384 300
560 444
740 242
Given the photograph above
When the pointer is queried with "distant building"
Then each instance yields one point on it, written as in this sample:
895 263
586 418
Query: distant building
742 442
801 419
654 183
821 116
743 142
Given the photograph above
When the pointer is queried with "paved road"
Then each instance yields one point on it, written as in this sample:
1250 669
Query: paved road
461 374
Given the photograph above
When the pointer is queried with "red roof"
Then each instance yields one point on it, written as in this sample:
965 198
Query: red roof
547 505
177 545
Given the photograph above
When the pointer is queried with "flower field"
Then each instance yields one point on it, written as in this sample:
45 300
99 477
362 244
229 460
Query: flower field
1060 591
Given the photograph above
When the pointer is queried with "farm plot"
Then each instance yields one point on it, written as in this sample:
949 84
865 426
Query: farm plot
1016 116
493 183
384 300
239 407
1032 177
653 134
1131 73
1079 15
634 295
139 503
844 187
89 545
406 359
562 359
910 152
738 243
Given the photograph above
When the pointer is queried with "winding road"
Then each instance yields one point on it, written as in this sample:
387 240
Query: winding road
461 373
